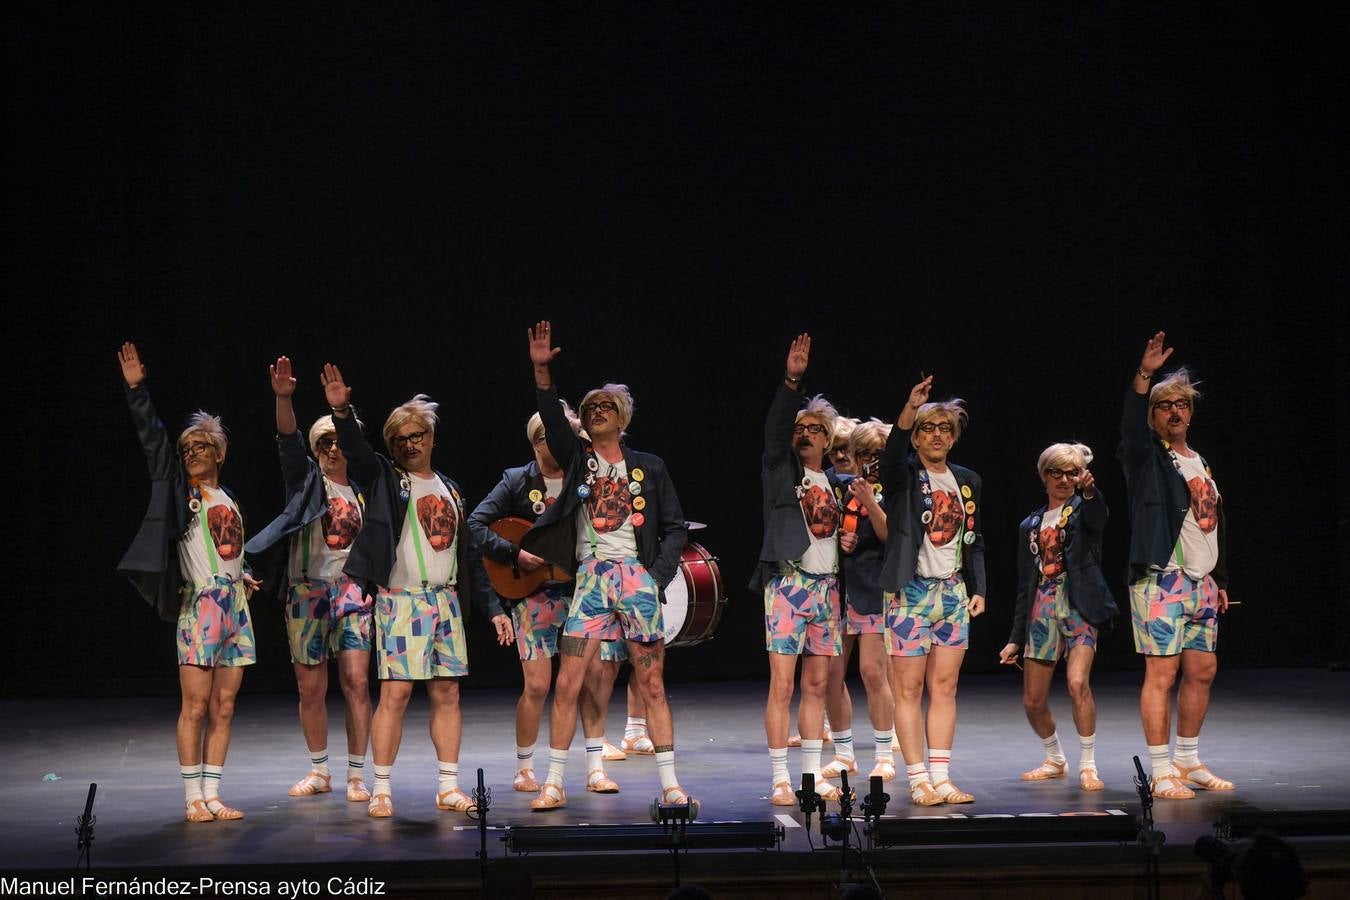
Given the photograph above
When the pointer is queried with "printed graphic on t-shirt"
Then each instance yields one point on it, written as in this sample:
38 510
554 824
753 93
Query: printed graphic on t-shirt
227 531
947 514
340 523
821 511
1052 554
436 514
1204 503
609 504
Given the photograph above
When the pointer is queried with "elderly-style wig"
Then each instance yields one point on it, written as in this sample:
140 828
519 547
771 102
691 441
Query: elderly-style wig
843 428
324 426
535 427
1059 456
1178 384
420 409
953 410
822 409
209 428
619 394
868 437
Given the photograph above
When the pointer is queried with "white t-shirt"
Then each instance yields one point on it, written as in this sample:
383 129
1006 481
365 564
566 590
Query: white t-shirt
940 549
552 490
225 532
820 509
1197 549
329 538
1052 554
605 518
436 533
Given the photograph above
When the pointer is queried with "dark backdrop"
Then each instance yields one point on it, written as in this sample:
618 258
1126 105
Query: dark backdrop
1013 200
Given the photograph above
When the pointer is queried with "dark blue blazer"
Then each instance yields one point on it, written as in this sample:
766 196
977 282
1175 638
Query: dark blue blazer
372 554
306 497
151 562
1083 580
862 570
660 537
904 509
1157 494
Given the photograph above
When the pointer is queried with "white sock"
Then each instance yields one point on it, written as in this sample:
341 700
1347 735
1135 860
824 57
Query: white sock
1159 757
665 767
448 779
636 728
524 758
356 767
595 754
557 763
778 760
382 784
211 787
1053 751
318 761
1188 751
1088 758
884 746
843 743
192 781
811 756
938 763
916 773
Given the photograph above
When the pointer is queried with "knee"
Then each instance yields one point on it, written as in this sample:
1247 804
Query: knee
1033 705
1080 689
311 691
356 688
535 690
910 691
780 692
942 687
194 709
222 709
1201 676
873 676
394 697
1159 680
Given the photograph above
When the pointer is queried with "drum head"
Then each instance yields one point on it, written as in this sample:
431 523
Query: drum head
676 609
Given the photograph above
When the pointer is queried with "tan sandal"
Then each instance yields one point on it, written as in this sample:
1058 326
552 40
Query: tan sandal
224 813
551 796
1171 787
783 795
610 753
883 770
1047 770
600 783
1201 777
197 812
311 784
525 782
1088 780
837 765
638 746
381 807
952 794
922 794
676 795
357 792
453 800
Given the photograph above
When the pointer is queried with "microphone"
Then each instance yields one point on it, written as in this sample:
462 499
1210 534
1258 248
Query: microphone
1139 770
807 796
845 792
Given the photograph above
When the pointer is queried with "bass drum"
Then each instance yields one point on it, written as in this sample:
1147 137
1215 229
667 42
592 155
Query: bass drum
694 599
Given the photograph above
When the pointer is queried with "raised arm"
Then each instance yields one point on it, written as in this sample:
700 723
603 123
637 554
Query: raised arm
1094 504
892 464
786 401
1135 435
562 441
361 463
160 458
290 447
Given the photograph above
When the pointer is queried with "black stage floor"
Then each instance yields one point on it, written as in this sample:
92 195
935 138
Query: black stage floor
1282 735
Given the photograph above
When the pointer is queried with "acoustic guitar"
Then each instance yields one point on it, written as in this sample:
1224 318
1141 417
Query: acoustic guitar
508 580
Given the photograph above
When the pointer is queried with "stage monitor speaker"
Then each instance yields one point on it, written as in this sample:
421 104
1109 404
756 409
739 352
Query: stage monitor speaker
1234 826
592 838
889 832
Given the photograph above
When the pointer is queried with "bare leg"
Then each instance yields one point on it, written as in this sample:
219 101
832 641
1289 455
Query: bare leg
837 701
944 668
1036 677
530 707
649 672
575 654
447 723
811 710
1080 689
907 678
195 684
386 731
599 687
1198 669
312 682
1155 698
872 665
778 709
225 681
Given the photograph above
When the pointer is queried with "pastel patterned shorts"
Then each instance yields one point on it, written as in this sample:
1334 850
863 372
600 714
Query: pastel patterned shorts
324 618
1171 612
421 634
614 651
1056 627
215 627
614 598
929 612
859 623
538 619
801 614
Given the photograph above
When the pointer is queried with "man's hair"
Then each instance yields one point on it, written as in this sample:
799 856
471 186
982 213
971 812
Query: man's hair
1057 456
822 409
953 410
868 436
420 409
1177 384
324 425
843 428
209 427
622 398
535 426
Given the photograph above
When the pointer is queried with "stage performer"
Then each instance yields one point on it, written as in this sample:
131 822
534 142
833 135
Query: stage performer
1062 601
798 568
864 615
619 526
933 574
417 558
526 492
187 561
327 614
1178 568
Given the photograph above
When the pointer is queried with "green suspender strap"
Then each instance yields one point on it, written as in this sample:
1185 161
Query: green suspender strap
417 545
206 537
306 534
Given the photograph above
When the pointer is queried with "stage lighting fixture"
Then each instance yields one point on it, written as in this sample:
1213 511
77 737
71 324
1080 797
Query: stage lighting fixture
1036 830
692 836
1233 826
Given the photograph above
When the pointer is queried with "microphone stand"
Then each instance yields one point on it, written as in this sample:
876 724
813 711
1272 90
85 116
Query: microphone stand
482 802
1149 838
84 830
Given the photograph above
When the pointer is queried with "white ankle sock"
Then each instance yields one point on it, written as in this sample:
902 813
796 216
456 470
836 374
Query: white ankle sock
938 763
916 773
192 781
557 763
318 761
1188 751
1159 757
595 754
211 787
382 783
524 758
843 743
811 756
1088 758
356 767
884 746
448 778
665 767
636 728
778 760
1053 751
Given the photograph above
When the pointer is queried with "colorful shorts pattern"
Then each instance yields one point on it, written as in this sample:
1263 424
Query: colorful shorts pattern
614 651
324 618
1171 612
215 627
858 623
801 614
1056 627
928 612
421 635
538 619
615 598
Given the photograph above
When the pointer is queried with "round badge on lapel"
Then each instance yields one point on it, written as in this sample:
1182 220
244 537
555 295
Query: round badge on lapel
1035 520
638 519
1035 548
970 523
634 488
583 491
876 489
195 505
639 503
969 538
926 517
539 507
536 495
592 464
965 491
637 474
970 507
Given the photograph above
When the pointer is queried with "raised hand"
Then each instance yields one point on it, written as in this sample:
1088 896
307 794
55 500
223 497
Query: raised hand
799 354
1154 354
918 395
1087 484
283 382
542 350
133 370
335 390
